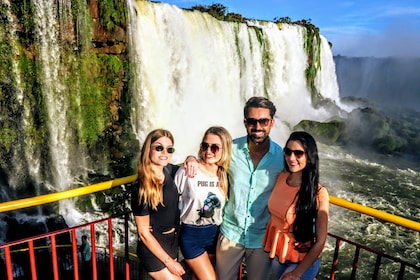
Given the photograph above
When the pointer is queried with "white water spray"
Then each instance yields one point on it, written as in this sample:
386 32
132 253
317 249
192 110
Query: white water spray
193 71
46 27
31 154
49 36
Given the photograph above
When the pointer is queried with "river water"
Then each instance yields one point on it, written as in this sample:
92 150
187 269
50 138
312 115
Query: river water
189 76
387 183
168 46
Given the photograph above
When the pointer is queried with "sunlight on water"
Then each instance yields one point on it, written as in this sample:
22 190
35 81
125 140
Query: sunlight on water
377 184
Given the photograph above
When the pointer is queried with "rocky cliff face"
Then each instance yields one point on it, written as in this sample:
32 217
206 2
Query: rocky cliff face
104 40
64 98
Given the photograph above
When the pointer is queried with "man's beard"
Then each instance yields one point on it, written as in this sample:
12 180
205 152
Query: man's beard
258 140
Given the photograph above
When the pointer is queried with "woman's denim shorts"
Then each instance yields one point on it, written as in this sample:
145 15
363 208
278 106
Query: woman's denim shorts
195 240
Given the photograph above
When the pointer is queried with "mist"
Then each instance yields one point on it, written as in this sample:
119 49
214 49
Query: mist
391 83
399 39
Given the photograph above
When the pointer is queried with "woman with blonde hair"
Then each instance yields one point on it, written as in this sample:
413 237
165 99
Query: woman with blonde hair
202 200
155 208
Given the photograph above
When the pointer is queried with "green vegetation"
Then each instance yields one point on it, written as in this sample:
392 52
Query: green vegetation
24 11
380 132
312 42
98 75
84 24
7 137
383 133
112 13
313 49
332 132
220 12
5 60
36 130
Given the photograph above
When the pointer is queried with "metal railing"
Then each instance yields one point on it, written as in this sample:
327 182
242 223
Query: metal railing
61 261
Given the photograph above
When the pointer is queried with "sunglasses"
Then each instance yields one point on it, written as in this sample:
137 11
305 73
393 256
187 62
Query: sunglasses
253 122
298 153
213 147
160 148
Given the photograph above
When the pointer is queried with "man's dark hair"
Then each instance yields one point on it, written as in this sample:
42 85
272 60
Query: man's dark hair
259 102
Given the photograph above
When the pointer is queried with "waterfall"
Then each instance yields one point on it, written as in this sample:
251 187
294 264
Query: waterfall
193 71
189 71
25 159
53 89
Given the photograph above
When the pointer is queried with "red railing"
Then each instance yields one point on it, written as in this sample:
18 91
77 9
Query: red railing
379 256
47 257
59 255
64 258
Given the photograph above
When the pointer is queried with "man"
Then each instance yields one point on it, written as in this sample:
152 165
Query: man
86 252
256 161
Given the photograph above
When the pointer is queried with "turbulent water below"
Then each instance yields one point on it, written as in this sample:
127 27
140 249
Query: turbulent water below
387 183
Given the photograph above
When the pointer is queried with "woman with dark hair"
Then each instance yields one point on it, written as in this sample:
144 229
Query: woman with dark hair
299 207
155 208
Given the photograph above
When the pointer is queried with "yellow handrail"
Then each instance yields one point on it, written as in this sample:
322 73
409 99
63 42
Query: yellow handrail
375 213
47 198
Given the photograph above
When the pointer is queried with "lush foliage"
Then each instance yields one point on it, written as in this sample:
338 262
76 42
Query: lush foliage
329 132
112 13
380 132
220 12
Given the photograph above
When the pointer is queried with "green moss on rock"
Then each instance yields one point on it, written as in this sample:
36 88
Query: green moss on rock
332 132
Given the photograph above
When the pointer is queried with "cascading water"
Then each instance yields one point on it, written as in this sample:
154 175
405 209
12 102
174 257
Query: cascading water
191 71
49 37
30 151
50 56
194 71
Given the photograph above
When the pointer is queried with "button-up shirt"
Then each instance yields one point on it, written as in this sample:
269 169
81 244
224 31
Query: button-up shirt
246 214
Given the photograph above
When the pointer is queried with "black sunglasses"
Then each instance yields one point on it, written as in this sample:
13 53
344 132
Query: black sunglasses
213 147
253 122
160 148
298 153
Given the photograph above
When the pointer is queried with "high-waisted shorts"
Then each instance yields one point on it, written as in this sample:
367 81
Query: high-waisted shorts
195 240
148 260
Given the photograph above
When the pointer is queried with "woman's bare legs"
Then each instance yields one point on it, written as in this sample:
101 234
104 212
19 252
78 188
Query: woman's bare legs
202 267
164 274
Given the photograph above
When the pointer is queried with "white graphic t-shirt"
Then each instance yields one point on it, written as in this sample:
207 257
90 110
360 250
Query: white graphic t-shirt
201 198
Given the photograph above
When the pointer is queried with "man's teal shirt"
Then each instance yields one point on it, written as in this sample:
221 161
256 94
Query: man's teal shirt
246 214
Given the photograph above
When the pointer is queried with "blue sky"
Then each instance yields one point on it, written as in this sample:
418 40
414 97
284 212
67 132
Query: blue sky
355 28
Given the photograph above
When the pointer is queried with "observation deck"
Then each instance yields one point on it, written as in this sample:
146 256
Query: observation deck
55 255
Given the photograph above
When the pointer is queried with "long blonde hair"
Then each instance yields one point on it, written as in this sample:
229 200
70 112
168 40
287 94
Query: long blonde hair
150 185
226 151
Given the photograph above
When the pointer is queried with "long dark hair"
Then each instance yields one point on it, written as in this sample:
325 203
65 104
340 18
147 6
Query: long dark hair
306 204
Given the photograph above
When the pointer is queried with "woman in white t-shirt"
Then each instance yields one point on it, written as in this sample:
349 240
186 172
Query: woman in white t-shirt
202 200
